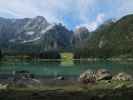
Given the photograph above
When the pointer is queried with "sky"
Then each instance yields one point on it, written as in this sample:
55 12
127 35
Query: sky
71 13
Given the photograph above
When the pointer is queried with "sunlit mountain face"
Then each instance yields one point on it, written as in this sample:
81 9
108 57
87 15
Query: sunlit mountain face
34 32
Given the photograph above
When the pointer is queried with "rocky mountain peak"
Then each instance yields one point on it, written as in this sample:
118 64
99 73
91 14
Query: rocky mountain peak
81 30
34 32
40 19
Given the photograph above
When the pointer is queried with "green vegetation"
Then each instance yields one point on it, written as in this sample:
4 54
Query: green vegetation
111 39
100 91
101 85
66 58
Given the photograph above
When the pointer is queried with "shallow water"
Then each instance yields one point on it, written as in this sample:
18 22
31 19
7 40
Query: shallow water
44 68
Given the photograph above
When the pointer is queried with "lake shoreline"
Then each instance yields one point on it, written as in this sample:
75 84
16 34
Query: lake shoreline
59 94
68 88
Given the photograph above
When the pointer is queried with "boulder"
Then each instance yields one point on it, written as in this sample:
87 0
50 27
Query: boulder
60 78
123 76
22 75
24 79
103 74
87 77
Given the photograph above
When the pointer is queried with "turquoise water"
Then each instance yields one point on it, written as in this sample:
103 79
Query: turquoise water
52 68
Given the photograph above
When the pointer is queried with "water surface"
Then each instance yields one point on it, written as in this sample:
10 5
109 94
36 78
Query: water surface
44 68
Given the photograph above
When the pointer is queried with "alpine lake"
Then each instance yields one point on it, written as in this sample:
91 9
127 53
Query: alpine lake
118 90
64 67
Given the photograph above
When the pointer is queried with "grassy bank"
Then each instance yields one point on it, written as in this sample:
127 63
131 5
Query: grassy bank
120 94
103 90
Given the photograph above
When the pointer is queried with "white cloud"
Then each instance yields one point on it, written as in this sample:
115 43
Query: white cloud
55 10
94 24
99 20
100 17
83 8
51 9
125 7
19 8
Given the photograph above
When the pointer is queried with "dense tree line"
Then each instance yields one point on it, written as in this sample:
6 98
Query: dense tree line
33 55
1 55
50 55
102 53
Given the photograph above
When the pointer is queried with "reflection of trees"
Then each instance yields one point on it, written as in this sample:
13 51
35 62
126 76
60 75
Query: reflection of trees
50 55
0 54
101 52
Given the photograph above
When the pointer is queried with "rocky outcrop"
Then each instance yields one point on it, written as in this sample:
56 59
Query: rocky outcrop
35 33
103 74
87 77
90 76
81 33
80 36
123 76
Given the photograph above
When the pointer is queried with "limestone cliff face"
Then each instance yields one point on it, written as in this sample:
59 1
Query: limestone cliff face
33 32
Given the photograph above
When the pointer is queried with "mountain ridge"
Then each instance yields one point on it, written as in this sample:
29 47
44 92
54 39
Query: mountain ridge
110 39
31 31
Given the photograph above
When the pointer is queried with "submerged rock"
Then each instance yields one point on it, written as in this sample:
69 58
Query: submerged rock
123 76
103 74
22 75
87 77
24 79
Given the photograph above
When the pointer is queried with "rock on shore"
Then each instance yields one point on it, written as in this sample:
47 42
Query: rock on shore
103 74
123 76
87 77
90 76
